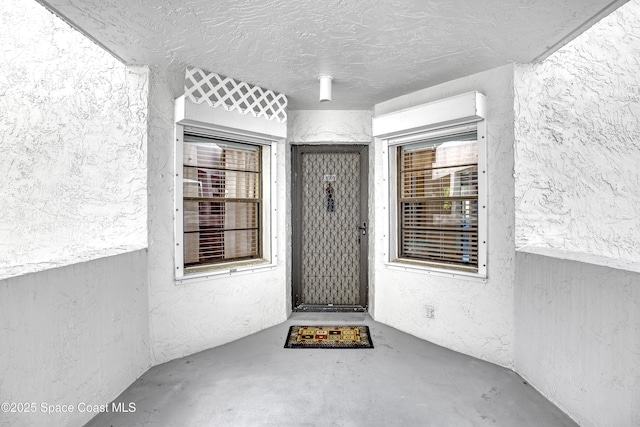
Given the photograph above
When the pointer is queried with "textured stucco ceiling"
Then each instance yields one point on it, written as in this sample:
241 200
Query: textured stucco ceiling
375 50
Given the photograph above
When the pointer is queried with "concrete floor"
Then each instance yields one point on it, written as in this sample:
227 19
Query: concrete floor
403 381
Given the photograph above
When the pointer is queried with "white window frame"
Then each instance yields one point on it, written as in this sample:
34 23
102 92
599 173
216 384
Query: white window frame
268 220
449 116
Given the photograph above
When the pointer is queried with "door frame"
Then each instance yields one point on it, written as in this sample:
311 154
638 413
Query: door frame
296 224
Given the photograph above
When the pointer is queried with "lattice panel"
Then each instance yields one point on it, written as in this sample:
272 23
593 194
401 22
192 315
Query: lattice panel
217 91
330 239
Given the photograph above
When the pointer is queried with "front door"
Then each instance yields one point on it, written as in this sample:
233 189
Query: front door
329 227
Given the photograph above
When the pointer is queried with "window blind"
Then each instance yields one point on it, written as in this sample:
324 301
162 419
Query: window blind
438 200
221 200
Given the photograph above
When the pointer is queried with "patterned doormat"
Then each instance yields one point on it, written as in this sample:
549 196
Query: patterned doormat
335 336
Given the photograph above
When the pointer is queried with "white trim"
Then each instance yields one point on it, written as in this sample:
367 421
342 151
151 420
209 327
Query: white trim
582 257
233 95
392 198
433 134
269 204
209 131
432 271
202 115
457 110
225 272
483 200
178 229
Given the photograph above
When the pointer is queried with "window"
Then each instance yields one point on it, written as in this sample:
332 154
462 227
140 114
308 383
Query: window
434 158
225 218
221 193
438 200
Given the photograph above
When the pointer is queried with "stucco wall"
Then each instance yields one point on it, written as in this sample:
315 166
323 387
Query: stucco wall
470 316
73 145
198 315
576 170
329 126
578 142
578 334
75 335
73 188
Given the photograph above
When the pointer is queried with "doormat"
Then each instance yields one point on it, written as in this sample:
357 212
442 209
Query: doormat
335 336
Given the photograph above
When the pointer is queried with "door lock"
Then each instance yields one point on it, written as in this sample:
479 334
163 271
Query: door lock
363 228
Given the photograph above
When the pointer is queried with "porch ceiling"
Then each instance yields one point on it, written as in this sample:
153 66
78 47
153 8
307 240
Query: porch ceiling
375 50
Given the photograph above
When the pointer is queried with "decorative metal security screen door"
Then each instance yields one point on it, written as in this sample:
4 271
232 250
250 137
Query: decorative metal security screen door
329 228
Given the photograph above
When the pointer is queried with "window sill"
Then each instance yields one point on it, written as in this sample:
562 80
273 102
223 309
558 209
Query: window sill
416 267
218 271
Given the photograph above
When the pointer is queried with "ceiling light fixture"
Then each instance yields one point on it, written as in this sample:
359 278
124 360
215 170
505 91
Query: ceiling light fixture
325 88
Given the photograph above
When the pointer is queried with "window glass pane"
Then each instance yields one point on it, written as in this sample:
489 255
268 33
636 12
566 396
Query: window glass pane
443 215
219 215
216 154
445 182
441 246
221 190
212 246
212 183
438 200
442 152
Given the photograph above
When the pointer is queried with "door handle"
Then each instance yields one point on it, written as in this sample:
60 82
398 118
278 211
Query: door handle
363 228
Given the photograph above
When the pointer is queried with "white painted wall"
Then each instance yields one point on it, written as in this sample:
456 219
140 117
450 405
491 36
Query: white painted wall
578 333
198 315
73 335
73 302
473 317
73 145
577 338
578 142
329 127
